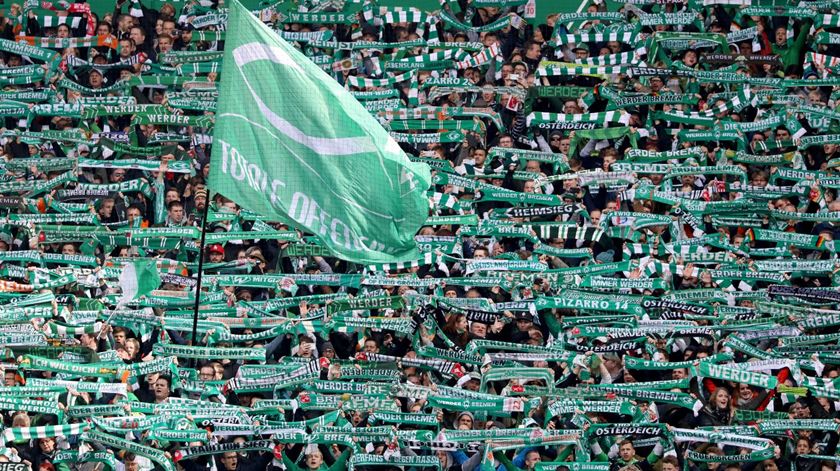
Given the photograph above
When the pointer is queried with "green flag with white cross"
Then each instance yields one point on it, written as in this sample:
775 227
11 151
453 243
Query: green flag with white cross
292 145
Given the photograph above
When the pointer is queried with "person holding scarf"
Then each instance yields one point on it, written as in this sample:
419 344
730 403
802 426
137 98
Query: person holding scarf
313 460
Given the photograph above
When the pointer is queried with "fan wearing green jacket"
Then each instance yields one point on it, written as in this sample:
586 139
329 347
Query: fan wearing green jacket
790 52
314 461
627 456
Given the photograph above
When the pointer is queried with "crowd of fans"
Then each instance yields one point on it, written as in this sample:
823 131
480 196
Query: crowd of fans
629 260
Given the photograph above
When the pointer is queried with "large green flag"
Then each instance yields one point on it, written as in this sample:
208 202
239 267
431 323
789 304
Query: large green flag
291 144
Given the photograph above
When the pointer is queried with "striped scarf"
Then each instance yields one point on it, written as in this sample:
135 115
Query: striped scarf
362 82
44 431
483 57
623 58
508 20
63 43
736 104
587 234
58 329
51 21
196 451
827 21
602 119
309 371
427 259
410 15
624 36
109 440
443 366
136 10
550 69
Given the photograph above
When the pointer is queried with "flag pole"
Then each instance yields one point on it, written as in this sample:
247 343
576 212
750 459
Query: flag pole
200 272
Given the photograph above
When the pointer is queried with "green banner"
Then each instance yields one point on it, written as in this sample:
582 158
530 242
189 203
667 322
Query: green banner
342 178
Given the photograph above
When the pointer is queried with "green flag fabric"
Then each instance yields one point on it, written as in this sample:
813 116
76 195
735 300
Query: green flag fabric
294 145
138 279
